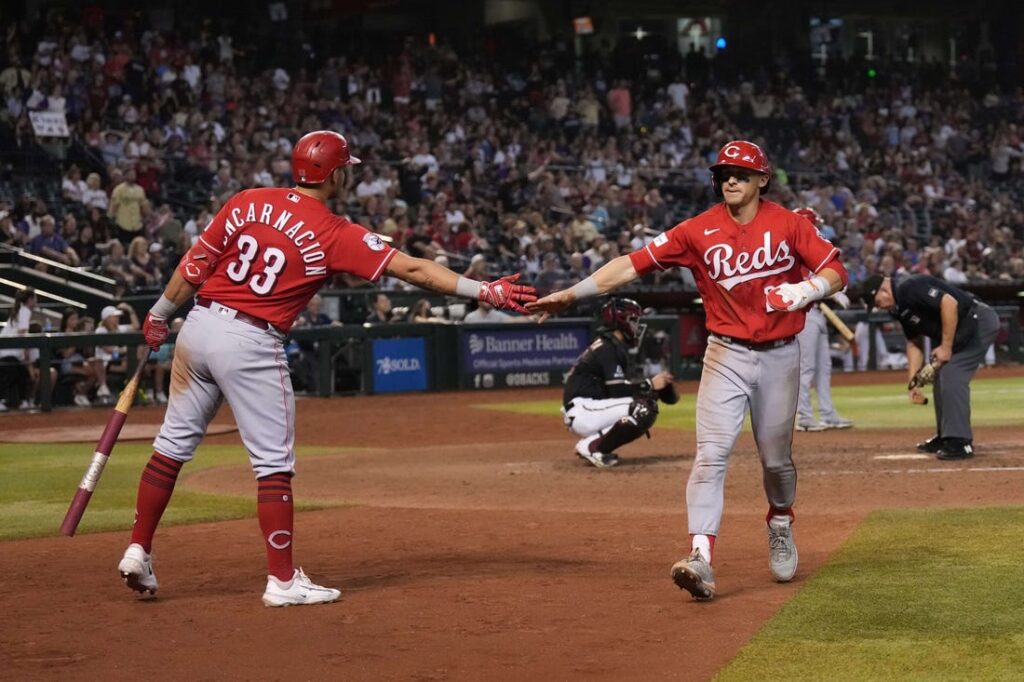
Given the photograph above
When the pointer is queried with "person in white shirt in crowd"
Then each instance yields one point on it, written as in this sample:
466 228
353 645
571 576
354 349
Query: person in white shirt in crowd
115 358
93 195
73 187
485 313
17 361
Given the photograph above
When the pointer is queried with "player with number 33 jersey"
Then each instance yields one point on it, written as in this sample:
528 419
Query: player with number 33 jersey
252 271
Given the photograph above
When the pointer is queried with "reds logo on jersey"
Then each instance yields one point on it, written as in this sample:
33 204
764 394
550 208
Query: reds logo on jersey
729 271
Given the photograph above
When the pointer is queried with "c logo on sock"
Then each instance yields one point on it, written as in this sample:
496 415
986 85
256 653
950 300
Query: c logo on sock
283 545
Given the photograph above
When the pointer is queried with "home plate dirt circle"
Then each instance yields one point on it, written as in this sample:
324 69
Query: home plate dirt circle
90 434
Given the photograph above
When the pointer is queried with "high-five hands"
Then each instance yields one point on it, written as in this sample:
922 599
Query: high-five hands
552 304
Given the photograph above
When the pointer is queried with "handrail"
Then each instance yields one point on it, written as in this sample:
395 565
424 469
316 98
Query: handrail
44 294
60 266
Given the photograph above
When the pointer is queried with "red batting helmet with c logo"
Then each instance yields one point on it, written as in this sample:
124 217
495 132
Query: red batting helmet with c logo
317 154
741 154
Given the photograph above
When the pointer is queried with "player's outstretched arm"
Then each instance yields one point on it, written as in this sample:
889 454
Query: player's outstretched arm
615 273
502 293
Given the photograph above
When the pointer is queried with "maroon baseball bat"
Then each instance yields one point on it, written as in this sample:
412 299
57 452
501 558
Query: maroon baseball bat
103 449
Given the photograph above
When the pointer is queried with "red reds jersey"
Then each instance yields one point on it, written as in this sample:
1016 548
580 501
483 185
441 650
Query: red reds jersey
735 264
275 248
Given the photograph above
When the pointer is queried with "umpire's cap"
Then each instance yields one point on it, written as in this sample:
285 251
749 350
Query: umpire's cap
317 154
871 286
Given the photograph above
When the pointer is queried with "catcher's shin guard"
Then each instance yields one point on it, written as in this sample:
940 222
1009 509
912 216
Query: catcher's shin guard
642 414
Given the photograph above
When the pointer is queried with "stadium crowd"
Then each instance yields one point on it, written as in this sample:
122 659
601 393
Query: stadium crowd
548 166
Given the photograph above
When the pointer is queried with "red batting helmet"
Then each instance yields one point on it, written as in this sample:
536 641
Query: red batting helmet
810 214
317 154
741 154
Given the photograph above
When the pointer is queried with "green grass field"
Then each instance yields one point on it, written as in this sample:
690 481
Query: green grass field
912 595
37 482
994 402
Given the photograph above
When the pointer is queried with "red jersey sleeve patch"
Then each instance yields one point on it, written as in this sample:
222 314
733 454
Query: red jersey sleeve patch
359 252
668 250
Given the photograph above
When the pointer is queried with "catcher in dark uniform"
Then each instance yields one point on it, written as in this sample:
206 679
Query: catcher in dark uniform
600 403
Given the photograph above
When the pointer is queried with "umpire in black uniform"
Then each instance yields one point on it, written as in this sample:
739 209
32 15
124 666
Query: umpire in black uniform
600 402
961 329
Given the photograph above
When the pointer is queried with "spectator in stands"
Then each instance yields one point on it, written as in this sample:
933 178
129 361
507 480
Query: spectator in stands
127 207
9 234
380 309
15 362
73 187
93 194
78 364
114 357
49 244
117 265
85 247
145 270
478 268
420 312
550 276
620 101
485 313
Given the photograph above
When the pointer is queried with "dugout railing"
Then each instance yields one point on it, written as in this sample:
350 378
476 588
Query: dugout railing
384 358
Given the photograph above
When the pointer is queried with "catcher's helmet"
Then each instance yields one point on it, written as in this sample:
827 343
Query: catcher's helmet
810 214
624 315
317 154
741 154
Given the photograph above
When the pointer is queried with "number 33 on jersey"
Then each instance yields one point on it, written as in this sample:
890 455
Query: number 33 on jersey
275 248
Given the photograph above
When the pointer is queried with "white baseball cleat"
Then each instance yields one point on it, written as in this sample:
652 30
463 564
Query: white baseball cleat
810 426
782 554
136 569
297 591
601 460
837 423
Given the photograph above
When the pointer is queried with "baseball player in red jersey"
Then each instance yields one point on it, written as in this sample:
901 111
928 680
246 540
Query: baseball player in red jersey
747 255
253 270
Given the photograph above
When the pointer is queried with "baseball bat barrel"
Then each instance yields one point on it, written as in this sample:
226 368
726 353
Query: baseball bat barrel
102 453
840 326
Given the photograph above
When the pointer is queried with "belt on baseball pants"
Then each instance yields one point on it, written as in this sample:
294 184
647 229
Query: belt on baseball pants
239 315
750 345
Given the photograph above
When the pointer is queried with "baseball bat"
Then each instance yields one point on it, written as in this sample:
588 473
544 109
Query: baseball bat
840 326
103 449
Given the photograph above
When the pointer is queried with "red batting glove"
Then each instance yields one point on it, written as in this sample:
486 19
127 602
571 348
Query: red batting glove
505 294
155 330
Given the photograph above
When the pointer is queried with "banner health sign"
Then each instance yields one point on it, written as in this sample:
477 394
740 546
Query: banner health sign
399 365
512 352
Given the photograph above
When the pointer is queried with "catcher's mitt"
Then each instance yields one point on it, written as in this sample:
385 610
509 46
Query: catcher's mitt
669 395
923 376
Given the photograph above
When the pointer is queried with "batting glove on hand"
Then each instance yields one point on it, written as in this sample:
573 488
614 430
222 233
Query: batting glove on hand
155 330
789 297
505 294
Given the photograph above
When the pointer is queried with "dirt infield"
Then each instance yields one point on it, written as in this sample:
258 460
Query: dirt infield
476 547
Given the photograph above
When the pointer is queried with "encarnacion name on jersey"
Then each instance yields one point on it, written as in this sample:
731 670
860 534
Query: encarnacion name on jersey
310 250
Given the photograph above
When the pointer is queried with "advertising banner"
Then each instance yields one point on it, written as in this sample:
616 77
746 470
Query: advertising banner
510 357
399 365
